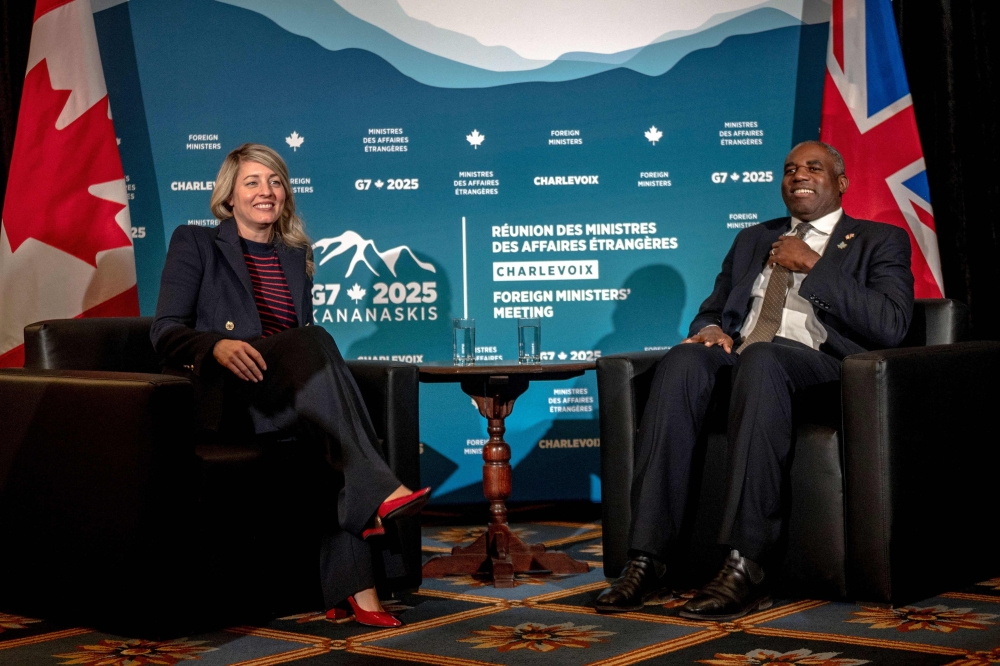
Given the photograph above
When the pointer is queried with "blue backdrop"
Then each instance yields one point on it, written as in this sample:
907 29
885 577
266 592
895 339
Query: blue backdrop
620 178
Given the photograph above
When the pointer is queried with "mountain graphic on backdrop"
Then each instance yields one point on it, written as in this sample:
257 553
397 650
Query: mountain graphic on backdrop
328 248
467 63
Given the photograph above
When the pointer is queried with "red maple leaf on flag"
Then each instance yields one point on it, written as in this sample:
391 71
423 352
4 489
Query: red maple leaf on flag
51 169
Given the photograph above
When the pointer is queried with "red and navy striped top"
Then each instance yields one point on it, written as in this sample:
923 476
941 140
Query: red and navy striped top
270 290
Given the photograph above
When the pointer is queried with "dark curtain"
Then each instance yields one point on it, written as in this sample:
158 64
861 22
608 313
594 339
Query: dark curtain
952 65
951 61
15 31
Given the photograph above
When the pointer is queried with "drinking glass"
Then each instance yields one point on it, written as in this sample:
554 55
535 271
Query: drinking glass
464 341
529 340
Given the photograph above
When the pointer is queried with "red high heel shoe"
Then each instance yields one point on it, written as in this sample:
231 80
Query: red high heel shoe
361 616
404 506
376 530
372 618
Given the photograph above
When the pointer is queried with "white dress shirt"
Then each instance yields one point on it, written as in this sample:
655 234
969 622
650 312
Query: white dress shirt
798 319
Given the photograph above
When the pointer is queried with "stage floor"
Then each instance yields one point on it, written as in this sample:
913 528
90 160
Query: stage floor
548 619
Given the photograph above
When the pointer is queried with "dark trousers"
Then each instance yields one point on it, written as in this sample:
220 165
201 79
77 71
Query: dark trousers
765 379
308 393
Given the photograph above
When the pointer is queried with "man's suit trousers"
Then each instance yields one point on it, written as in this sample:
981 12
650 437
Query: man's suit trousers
766 378
308 393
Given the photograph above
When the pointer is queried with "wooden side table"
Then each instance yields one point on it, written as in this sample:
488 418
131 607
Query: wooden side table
494 387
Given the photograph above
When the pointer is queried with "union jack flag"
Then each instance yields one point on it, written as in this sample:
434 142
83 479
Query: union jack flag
868 117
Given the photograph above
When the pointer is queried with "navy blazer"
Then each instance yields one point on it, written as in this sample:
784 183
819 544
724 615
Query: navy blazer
861 288
206 295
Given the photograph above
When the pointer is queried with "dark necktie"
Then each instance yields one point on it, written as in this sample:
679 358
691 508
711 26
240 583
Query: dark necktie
774 300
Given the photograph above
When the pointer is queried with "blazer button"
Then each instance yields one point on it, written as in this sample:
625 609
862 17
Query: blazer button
230 326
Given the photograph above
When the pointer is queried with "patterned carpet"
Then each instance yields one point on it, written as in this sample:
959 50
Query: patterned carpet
547 619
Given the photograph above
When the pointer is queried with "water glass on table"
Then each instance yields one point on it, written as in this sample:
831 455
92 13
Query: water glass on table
463 341
529 340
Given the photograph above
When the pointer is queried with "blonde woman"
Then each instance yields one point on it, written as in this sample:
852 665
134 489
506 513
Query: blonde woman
235 315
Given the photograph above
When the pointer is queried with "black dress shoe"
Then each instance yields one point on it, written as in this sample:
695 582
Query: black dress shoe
737 590
641 578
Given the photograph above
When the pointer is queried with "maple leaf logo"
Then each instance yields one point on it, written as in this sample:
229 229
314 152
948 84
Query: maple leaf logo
379 183
475 139
52 171
294 141
356 293
653 135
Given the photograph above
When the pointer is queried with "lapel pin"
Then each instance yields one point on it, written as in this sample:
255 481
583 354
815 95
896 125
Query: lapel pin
230 326
848 236
842 245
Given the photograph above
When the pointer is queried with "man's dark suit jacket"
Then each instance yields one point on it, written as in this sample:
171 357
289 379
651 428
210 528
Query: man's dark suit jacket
862 293
205 296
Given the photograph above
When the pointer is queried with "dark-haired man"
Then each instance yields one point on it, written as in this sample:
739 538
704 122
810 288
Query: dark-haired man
794 297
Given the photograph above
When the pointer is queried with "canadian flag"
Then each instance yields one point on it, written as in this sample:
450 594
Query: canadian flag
65 238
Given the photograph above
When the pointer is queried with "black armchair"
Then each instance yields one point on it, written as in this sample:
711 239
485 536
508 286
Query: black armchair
112 502
885 505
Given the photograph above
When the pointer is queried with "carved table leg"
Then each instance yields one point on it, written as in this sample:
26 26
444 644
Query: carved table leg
499 551
496 405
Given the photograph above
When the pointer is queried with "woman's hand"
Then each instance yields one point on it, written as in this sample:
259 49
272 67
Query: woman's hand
241 358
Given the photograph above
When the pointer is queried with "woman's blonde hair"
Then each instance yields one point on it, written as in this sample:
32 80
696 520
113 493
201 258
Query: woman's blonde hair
289 228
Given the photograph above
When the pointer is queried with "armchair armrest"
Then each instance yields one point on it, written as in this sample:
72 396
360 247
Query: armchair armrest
125 427
623 382
93 466
391 393
918 469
